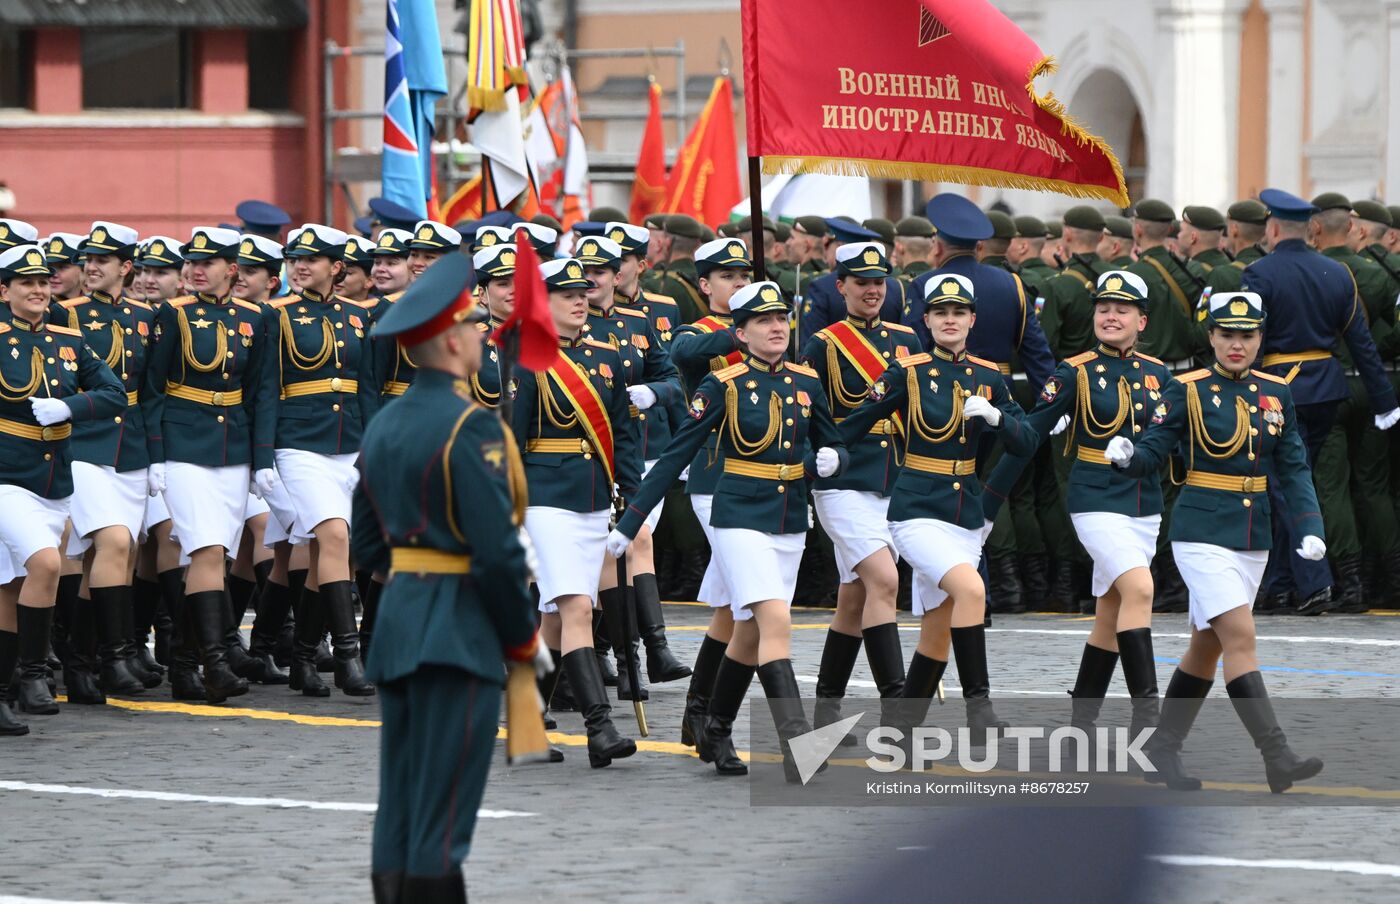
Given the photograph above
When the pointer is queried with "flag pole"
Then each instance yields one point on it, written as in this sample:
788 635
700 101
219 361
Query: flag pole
760 268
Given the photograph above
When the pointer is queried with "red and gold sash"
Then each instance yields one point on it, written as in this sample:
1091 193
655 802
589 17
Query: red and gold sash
866 359
714 325
574 383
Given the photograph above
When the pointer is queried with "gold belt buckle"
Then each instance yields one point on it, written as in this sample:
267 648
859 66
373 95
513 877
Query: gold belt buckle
785 472
583 446
217 398
49 434
335 384
1247 484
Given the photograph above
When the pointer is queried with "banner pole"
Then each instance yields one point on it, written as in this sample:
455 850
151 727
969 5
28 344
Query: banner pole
760 269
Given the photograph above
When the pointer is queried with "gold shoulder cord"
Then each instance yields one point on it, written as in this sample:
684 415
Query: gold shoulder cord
116 355
10 393
1084 410
1200 436
487 397
308 362
187 342
561 417
919 427
836 385
405 359
746 447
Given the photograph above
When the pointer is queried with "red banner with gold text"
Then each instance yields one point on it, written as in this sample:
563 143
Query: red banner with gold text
938 90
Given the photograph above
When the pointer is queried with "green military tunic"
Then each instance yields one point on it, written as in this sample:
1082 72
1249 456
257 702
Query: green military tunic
1067 314
1236 433
486 383
1204 264
1172 293
203 380
120 331
699 349
1035 273
770 419
49 362
680 282
644 363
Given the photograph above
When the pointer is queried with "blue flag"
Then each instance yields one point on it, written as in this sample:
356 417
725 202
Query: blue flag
414 79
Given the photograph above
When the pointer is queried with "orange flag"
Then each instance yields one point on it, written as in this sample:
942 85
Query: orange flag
649 189
464 204
704 183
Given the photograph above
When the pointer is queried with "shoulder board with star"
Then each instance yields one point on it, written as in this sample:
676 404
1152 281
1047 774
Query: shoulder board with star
245 305
596 344
990 365
393 296
914 360
732 371
897 327
1150 358
136 302
801 369
278 304
1083 358
181 301
64 331
1193 376
1270 377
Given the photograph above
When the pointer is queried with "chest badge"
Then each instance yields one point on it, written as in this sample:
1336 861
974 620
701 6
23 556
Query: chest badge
753 398
201 323
751 384
933 385
14 353
1098 369
1215 400
1103 384
306 321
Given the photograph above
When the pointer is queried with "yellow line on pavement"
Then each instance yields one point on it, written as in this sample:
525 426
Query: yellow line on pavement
224 712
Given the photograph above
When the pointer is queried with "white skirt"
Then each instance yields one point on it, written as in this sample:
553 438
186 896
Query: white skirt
857 524
156 512
757 566
254 508
206 505
282 524
570 548
714 589
654 516
1219 579
104 498
320 487
1117 544
933 548
28 523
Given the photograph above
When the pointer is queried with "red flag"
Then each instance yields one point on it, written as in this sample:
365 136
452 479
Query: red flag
705 180
649 189
938 90
465 203
539 341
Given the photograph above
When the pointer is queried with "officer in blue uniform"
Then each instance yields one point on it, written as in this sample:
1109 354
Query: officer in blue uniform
261 218
848 356
1006 323
823 304
1237 428
49 379
771 418
949 400
386 214
653 384
1312 303
438 507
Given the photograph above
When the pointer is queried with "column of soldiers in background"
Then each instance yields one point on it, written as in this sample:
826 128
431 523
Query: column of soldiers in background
125 574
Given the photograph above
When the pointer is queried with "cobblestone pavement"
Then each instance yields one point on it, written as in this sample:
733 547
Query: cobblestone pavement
197 826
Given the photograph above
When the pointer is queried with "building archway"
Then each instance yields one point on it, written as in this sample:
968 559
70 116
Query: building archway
1104 104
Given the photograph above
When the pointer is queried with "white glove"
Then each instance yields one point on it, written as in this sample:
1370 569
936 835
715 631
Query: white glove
685 474
828 461
155 479
1388 420
641 396
544 662
976 406
532 561
617 544
1119 451
265 479
50 411
1313 549
1061 425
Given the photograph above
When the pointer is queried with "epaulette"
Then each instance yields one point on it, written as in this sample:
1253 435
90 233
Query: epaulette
369 304
278 304
1150 358
1083 358
915 360
630 312
181 301
69 304
1272 378
801 369
732 371
483 326
5 328
358 304
659 299
596 344
985 363
1194 375
64 331
393 296
136 301
898 326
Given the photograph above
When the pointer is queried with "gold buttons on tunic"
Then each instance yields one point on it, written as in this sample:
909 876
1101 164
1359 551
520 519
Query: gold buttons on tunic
128 331
53 382
117 419
48 456
956 485
228 354
220 419
1136 364
787 379
1138 406
1253 387
230 332
789 422
335 408
1248 502
781 488
337 307
969 371
788 400
1253 409
588 353
787 445
884 444
1253 431
50 360
1137 385
339 343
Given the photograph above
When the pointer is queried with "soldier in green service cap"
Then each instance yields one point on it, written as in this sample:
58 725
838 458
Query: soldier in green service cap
781 233
1392 237
1024 254
992 251
1116 246
676 277
1067 312
1244 231
807 253
1172 289
881 227
913 240
1054 251
1201 228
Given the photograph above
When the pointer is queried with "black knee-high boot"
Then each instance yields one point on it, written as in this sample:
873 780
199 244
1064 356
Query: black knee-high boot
145 601
715 742
886 659
602 645
33 648
66 599
208 614
371 610
305 677
117 677
920 687
274 601
785 701
134 663
605 744
172 597
1096 667
1185 695
286 637
239 596
970 653
1140 674
345 638
9 653
185 683
839 655
614 625
1282 766
662 664
702 683
80 669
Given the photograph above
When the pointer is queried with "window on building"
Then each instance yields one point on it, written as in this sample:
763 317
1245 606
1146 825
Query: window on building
15 58
147 68
270 58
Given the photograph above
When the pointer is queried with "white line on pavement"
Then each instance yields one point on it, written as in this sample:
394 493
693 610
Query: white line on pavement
15 899
275 802
1358 867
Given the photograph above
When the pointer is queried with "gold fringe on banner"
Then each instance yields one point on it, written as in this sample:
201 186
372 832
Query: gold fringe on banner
1055 107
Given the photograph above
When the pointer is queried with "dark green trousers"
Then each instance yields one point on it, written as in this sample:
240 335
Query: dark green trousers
434 754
